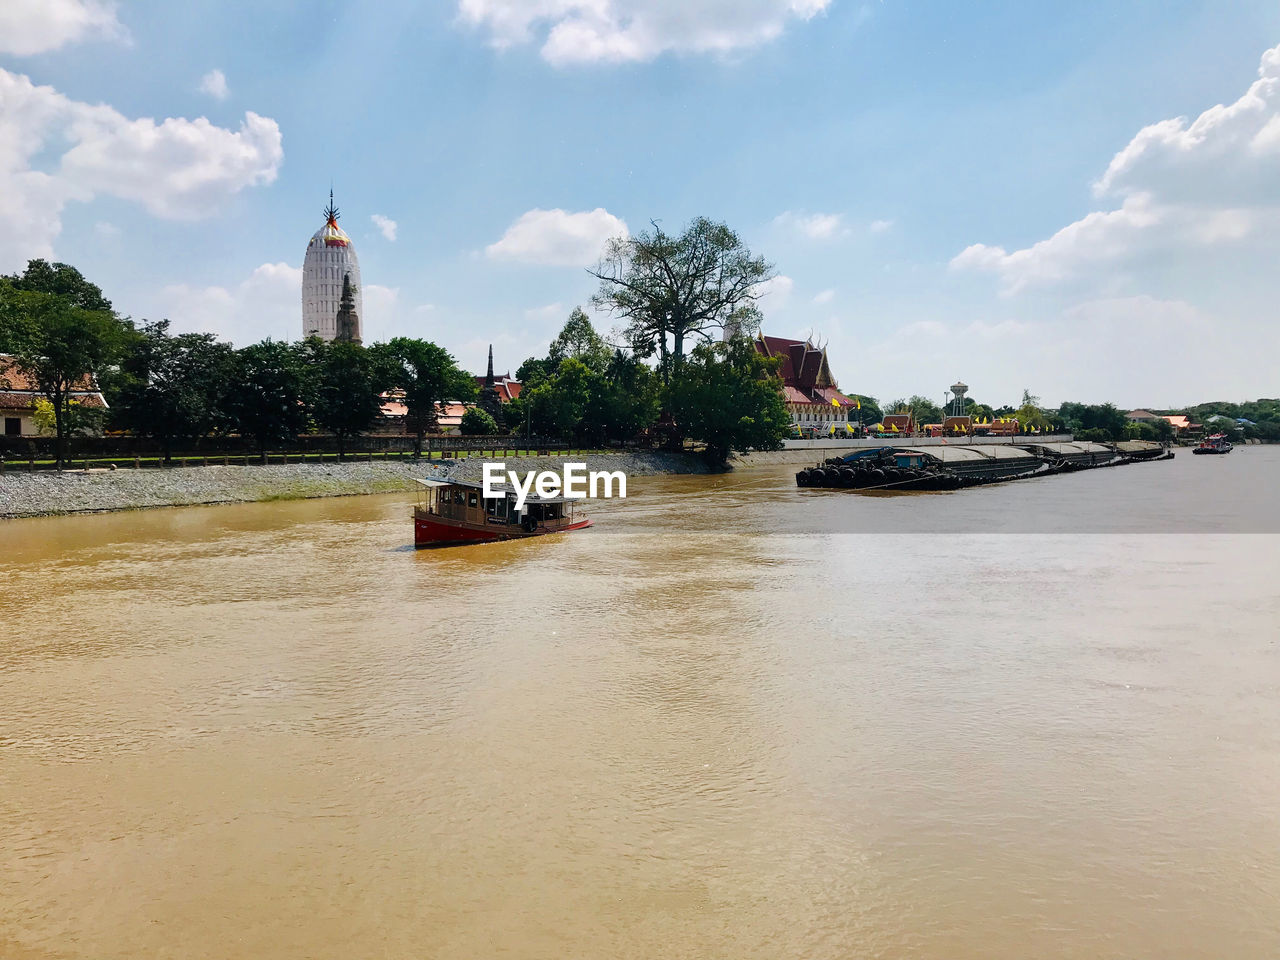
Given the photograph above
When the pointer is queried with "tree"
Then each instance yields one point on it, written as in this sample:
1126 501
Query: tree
673 289
346 388
61 280
728 397
557 406
478 423
868 410
56 344
922 409
623 400
578 339
533 371
1030 415
269 398
175 385
428 376
1109 422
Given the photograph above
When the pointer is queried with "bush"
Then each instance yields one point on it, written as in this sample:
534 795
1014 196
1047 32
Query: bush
1097 434
477 423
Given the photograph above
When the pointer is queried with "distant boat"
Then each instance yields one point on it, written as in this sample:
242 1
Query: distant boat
454 512
1218 443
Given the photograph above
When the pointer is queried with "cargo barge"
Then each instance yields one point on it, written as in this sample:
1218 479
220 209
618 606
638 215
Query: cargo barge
955 467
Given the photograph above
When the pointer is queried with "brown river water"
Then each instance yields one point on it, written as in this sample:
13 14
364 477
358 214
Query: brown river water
1008 722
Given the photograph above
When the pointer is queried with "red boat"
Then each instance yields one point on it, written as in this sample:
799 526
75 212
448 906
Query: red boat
453 512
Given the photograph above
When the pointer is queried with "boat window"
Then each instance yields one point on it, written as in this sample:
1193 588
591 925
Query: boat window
472 499
458 497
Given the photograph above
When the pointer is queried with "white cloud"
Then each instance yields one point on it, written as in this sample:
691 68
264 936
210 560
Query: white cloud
620 31
815 226
106 229
826 296
777 289
541 315
879 226
266 304
38 26
214 83
558 238
54 150
386 225
1185 189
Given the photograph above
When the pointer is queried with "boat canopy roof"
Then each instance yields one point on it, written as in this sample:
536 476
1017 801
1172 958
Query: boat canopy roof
532 497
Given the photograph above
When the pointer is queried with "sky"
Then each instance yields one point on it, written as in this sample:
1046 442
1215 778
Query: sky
1078 199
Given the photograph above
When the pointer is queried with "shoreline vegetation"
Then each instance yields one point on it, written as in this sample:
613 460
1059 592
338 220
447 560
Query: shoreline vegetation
48 493
682 369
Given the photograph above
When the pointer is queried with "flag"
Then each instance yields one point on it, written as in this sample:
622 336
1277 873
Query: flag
848 428
835 402
857 403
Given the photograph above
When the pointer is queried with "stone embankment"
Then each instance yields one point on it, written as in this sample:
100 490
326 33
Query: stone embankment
49 493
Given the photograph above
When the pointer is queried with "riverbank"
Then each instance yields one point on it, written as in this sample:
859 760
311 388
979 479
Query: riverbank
97 491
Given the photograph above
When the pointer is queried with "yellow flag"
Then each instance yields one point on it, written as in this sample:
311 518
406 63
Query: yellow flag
835 402
848 429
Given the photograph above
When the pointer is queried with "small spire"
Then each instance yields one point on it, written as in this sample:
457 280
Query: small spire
331 212
488 377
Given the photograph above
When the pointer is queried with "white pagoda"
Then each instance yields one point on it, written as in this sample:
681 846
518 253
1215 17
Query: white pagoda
331 258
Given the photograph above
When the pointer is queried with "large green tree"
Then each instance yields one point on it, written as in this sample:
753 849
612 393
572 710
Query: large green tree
61 280
578 339
174 385
727 396
271 392
556 406
57 344
671 290
346 383
428 376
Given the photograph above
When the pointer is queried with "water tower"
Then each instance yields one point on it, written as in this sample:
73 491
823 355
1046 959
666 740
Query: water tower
956 407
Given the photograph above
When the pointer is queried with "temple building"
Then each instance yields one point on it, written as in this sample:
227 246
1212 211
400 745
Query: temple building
329 265
812 396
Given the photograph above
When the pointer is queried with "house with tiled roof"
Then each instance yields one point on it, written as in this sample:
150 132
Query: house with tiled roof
19 393
812 396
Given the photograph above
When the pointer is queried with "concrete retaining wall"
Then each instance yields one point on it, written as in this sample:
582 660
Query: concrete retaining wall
49 493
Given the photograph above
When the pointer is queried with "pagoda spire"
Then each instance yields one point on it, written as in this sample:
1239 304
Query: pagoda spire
488 377
331 212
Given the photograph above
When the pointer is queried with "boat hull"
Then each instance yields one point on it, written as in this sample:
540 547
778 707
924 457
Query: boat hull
431 531
1212 451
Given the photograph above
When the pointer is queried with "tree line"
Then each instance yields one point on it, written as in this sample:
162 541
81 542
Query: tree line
61 333
688 304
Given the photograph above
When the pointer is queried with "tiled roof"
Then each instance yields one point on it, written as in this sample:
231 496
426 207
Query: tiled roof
508 389
19 392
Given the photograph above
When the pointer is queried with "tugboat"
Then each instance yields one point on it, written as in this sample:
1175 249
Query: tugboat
453 512
1218 443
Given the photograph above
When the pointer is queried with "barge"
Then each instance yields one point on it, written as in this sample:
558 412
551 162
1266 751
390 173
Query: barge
955 467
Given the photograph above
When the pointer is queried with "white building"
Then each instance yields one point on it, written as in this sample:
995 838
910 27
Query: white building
330 256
